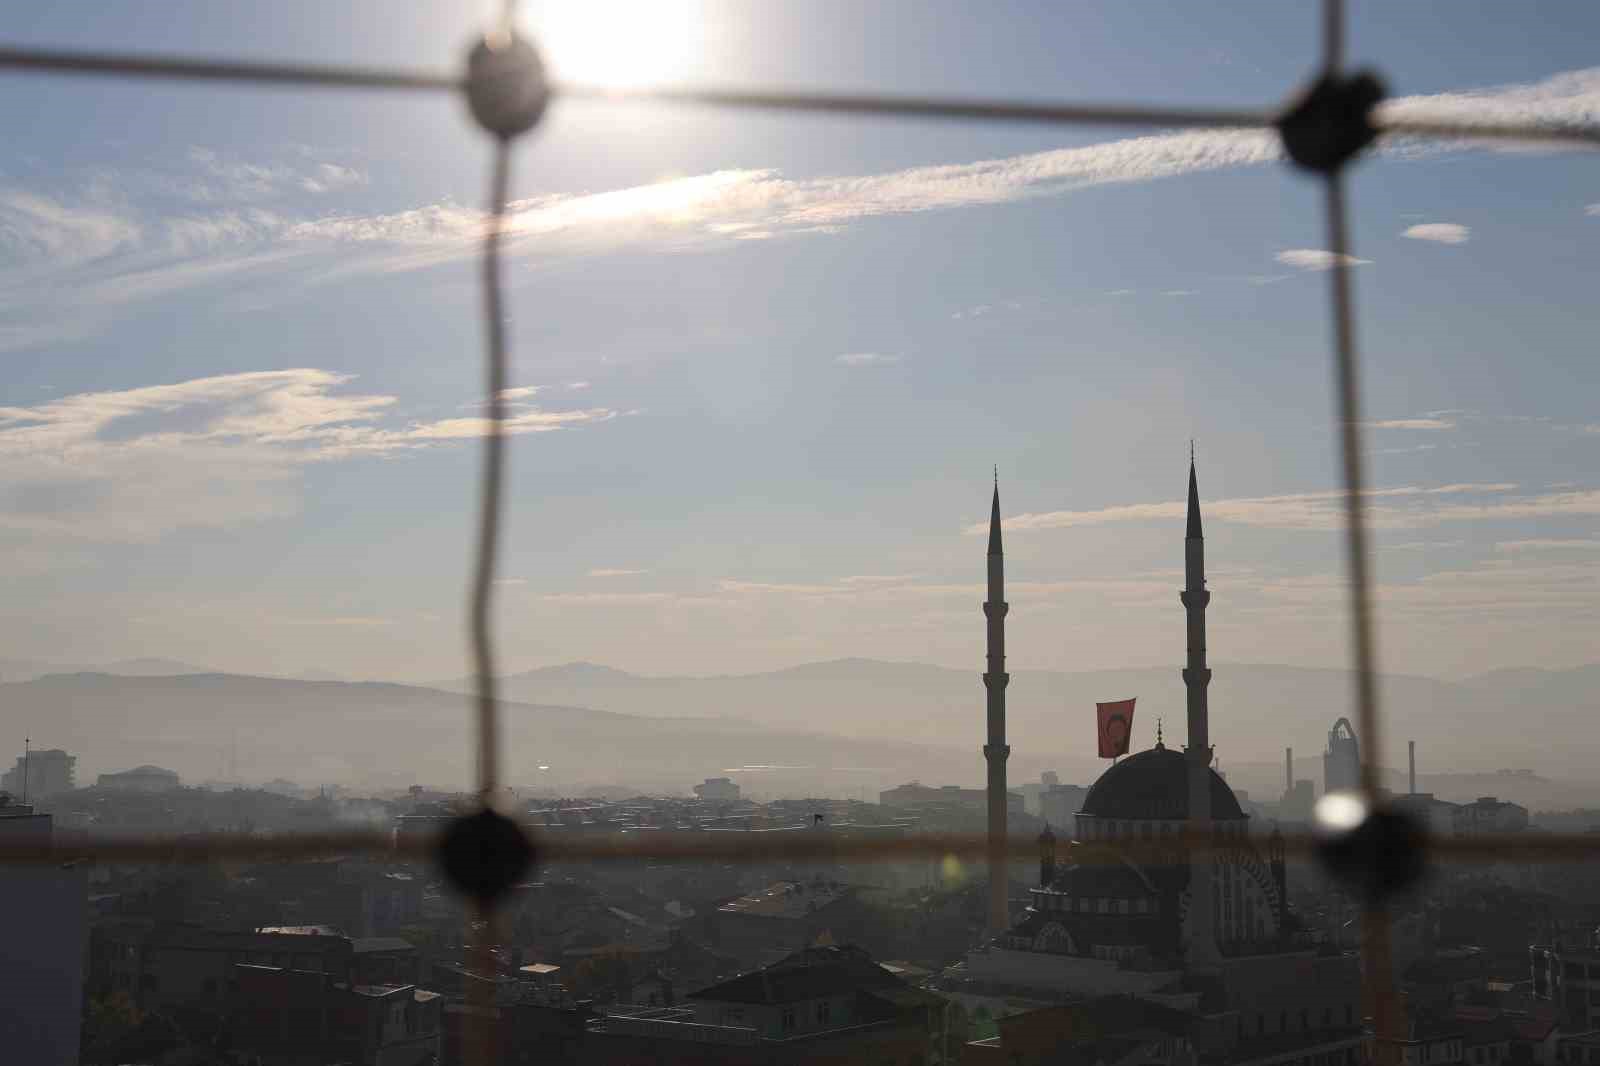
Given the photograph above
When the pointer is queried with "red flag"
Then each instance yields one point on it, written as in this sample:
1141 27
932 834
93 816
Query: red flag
1116 725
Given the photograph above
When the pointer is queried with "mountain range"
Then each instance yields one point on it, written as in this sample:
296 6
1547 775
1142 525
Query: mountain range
843 727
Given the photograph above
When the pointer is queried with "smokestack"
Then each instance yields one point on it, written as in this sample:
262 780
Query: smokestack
1288 770
1413 746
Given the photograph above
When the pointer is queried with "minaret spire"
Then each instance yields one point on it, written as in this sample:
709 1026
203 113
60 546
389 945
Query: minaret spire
1201 949
996 751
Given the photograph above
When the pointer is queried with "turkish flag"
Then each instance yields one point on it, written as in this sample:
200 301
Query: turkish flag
1116 725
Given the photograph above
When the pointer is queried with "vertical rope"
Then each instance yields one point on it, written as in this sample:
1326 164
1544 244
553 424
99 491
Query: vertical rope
1376 952
482 606
1348 391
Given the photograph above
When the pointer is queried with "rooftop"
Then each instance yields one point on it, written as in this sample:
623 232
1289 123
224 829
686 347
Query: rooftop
787 899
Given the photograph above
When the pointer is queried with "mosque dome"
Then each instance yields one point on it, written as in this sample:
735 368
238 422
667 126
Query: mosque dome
1153 785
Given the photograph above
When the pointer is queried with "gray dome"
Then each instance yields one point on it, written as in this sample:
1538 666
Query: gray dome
1154 785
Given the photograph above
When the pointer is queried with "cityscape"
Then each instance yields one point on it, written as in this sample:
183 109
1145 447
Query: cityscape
1234 954
699 533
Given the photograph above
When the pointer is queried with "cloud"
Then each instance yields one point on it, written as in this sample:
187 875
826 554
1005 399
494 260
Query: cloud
1316 259
135 464
1441 232
1412 423
607 571
865 359
147 234
1592 209
974 312
1536 545
1403 507
1180 292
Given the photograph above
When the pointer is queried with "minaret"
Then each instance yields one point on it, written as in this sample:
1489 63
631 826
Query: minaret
996 751
1201 950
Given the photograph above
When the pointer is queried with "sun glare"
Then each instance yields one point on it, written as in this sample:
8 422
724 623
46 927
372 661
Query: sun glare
619 43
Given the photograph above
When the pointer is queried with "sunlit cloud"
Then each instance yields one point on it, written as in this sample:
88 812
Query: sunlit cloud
1412 423
1316 259
134 464
1403 507
234 215
1439 232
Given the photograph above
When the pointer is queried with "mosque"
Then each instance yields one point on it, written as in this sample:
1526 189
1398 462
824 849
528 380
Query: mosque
1208 931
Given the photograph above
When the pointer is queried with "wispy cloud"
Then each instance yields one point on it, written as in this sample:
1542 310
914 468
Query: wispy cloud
1316 259
611 571
865 359
1412 423
134 464
1538 545
1402 507
1440 232
221 216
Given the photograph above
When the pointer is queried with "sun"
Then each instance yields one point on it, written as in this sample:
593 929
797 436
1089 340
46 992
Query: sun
618 43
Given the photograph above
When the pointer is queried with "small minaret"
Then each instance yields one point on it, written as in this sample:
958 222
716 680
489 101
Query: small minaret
996 751
1201 950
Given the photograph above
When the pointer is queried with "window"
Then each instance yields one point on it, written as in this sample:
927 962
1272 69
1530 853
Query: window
788 1019
824 1012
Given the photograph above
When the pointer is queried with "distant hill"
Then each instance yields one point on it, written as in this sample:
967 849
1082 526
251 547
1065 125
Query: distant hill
28 669
377 733
1481 724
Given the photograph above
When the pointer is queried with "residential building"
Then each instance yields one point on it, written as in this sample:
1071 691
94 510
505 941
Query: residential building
916 794
40 774
163 965
43 937
1107 1029
141 779
1059 804
717 788
822 1005
1568 975
285 1017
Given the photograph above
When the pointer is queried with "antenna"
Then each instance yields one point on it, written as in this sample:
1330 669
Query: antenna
26 751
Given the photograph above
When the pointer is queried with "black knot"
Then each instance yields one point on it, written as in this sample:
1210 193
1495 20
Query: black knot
506 87
1332 122
484 854
1373 853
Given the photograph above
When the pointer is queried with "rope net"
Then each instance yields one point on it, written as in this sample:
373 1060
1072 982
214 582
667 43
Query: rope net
1323 131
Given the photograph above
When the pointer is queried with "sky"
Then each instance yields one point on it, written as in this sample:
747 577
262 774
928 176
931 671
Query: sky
764 365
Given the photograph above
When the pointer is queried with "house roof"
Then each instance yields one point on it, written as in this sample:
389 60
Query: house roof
810 974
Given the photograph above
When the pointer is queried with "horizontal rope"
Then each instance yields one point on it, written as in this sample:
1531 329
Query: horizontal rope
177 68
326 76
733 846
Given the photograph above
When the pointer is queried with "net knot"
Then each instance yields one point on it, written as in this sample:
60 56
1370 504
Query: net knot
1374 852
484 855
1332 121
506 86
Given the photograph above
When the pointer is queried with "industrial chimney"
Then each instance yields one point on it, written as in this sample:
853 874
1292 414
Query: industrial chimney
1412 745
